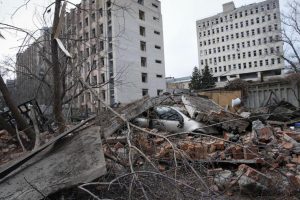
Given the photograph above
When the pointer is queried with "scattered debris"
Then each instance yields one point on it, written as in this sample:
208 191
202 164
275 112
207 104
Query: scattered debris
140 159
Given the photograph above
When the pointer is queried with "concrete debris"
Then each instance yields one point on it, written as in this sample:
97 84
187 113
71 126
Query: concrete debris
223 178
207 111
253 159
76 159
252 181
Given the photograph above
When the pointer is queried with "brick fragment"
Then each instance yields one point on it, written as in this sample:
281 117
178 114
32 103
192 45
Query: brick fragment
159 141
265 134
254 176
237 153
250 152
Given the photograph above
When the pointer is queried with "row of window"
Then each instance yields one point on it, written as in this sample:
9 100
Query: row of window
238 14
145 92
142 16
236 26
93 49
94 35
145 77
242 34
239 46
142 3
143 31
244 55
143 46
261 63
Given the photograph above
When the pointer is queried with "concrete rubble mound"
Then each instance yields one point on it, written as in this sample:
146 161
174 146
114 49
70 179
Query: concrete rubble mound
165 147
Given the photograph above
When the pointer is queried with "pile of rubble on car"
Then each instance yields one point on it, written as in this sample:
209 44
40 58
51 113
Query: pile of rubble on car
184 147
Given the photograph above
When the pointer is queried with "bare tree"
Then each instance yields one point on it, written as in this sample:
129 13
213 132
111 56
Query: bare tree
57 104
291 34
16 113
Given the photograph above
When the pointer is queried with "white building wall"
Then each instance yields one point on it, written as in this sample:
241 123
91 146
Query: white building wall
121 54
237 42
127 52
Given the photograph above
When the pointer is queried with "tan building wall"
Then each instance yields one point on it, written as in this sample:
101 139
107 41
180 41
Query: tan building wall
223 98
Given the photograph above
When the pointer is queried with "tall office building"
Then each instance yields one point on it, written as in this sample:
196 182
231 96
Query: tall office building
117 46
242 42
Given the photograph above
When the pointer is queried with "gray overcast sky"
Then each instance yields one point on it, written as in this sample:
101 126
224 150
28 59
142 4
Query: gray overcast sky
179 22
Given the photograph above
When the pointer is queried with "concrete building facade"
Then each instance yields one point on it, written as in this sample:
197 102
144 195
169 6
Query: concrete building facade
242 42
117 47
33 74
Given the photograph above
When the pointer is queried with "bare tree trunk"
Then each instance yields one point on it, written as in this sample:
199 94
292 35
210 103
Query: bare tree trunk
16 114
57 83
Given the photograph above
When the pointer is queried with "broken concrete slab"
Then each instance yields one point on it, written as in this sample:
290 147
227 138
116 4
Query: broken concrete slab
207 111
113 123
228 121
199 107
72 160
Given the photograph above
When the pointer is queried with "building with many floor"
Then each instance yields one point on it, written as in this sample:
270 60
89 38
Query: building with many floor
242 42
117 47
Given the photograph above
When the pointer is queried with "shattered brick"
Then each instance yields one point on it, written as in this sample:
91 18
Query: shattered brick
118 146
250 152
252 180
294 180
265 134
219 145
159 141
237 152
288 145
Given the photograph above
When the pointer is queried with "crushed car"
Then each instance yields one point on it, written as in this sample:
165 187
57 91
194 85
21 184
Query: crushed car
171 119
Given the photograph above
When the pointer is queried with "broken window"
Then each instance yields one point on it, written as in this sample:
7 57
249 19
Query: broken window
157 32
101 28
144 92
157 47
103 94
102 78
156 18
159 92
94 80
87 21
94 49
154 5
101 45
142 31
93 17
143 61
144 77
101 12
143 46
142 15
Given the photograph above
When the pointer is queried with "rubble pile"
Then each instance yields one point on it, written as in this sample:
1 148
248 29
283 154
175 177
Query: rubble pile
9 147
149 154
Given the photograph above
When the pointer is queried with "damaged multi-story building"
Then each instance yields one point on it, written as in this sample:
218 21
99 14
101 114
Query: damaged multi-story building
116 46
242 42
